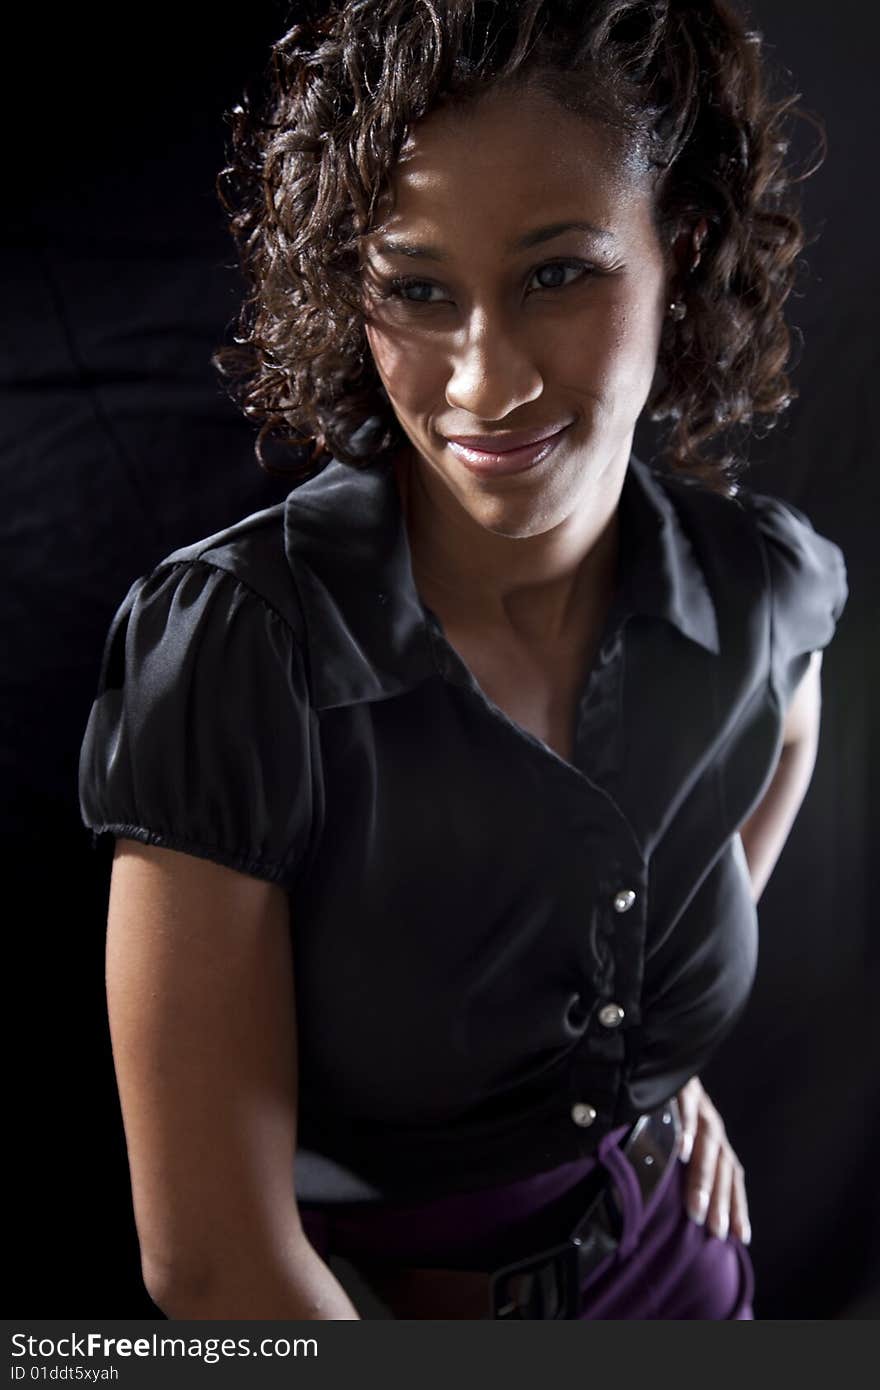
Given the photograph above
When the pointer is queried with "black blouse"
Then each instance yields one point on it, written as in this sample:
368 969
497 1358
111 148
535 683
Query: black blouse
499 954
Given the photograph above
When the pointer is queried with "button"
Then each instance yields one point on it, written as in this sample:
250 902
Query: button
583 1114
611 1015
624 900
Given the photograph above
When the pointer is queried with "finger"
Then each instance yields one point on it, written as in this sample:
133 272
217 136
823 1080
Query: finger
688 1098
718 1215
701 1171
739 1207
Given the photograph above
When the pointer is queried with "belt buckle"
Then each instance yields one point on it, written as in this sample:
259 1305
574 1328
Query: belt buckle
546 1285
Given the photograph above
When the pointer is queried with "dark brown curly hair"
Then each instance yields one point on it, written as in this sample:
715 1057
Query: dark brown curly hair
313 149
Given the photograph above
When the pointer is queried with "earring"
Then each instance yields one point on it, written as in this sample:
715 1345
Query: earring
676 309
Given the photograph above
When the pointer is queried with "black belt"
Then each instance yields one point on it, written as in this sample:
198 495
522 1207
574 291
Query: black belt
548 1285
545 1285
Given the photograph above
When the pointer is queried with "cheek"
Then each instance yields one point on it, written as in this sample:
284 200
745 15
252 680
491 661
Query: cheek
599 358
631 340
410 371
612 341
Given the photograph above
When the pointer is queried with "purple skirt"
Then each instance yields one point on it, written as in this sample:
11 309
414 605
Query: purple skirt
666 1266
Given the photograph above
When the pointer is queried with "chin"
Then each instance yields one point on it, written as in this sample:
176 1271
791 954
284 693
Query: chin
527 512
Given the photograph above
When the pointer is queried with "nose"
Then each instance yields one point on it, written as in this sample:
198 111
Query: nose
492 372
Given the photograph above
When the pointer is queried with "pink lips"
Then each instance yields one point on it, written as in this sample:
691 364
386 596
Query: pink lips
490 455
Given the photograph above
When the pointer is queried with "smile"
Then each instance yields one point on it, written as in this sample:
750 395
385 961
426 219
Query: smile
490 457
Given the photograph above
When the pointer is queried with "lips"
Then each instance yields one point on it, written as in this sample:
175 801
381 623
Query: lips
497 455
504 443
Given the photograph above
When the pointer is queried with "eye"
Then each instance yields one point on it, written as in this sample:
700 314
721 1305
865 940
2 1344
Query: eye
415 291
553 275
554 272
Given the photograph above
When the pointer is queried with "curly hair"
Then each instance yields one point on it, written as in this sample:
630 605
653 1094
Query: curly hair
313 151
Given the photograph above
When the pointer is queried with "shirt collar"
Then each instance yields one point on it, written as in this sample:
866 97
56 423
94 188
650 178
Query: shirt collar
366 628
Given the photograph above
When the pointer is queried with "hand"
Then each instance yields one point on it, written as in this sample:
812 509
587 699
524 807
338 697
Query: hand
716 1189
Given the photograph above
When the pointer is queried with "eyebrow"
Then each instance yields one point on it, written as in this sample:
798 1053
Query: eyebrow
396 247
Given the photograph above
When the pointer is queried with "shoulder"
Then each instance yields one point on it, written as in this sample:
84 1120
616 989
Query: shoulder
200 733
807 569
251 554
804 572
778 586
222 610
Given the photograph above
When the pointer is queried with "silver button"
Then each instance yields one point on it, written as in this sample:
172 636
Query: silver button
624 900
611 1015
583 1114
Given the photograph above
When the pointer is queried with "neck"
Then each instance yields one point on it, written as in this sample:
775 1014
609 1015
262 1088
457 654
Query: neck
536 589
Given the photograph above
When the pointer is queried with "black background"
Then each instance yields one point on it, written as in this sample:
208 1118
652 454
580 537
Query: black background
118 445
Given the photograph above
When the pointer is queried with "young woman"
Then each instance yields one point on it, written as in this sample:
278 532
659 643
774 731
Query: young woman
444 790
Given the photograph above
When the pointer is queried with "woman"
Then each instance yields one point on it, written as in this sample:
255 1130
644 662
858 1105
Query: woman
444 791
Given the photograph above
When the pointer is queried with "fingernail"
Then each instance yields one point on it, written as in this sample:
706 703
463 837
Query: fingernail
687 1144
698 1207
720 1229
747 1235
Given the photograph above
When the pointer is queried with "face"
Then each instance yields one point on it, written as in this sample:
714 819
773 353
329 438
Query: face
516 286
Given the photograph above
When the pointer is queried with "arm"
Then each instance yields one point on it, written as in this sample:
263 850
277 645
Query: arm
201 1005
767 828
715 1192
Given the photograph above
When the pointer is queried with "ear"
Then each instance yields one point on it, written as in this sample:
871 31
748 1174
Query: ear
686 249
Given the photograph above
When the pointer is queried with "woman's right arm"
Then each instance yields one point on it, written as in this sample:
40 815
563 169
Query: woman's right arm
202 1022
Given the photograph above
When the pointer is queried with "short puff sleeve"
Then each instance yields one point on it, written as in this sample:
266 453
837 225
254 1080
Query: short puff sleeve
199 736
808 589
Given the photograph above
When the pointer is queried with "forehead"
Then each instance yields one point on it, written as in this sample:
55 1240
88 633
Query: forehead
513 157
